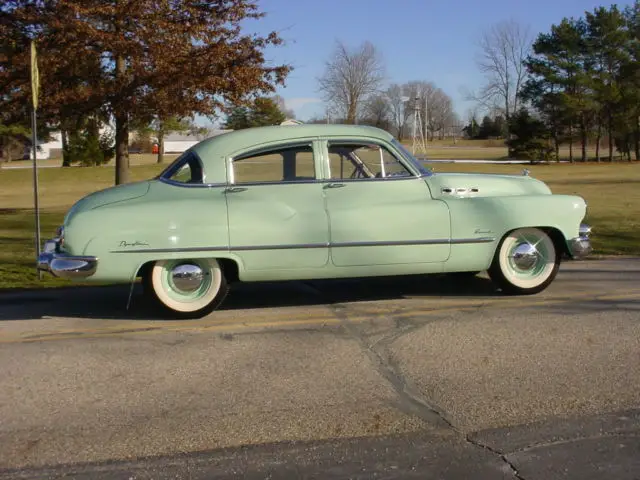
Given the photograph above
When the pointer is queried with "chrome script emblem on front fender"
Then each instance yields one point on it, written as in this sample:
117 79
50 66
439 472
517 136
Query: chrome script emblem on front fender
137 243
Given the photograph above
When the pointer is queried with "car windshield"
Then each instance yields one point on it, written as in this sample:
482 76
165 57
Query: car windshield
413 160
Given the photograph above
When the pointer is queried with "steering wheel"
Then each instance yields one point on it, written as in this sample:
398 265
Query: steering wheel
358 172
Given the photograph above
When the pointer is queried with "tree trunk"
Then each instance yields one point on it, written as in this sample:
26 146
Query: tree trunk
598 138
351 114
610 133
571 142
556 144
122 133
66 161
636 139
160 144
122 147
583 139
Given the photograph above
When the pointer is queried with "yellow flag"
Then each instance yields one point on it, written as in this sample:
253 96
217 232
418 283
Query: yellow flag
35 76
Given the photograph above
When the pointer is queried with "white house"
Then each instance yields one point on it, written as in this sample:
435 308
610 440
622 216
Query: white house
179 142
45 149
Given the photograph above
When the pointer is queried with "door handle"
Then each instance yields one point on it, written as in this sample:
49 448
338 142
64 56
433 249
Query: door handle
335 185
234 189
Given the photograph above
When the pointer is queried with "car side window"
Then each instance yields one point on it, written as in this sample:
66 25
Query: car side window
354 160
186 169
289 163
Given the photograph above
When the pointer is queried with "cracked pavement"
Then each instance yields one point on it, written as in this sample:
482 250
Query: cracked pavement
412 377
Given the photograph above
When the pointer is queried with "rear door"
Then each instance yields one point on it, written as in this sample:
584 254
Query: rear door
277 218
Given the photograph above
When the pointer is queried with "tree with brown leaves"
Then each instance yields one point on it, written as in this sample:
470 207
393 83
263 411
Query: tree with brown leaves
134 58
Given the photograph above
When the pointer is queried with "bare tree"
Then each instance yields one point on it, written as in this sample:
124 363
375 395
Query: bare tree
350 77
398 112
289 113
439 113
376 111
503 49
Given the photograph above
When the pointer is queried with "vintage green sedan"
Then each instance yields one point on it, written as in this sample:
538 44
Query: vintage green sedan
311 202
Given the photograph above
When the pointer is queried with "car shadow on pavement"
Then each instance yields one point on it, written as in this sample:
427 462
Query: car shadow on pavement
110 302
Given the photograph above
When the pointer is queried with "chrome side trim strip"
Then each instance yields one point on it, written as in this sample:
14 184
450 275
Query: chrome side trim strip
457 241
398 243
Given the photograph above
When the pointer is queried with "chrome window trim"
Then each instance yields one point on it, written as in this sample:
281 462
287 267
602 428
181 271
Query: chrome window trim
191 185
290 143
361 180
391 243
415 163
273 182
388 145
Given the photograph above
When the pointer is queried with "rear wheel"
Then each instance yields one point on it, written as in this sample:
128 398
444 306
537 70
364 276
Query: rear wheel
186 288
526 262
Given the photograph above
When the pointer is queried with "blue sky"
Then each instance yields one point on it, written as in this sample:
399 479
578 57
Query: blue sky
419 40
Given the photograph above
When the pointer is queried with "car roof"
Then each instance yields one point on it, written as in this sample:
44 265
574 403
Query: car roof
213 151
229 142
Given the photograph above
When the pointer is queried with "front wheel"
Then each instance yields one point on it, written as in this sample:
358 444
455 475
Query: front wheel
526 262
186 288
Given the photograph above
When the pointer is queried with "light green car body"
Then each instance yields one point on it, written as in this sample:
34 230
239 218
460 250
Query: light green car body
424 223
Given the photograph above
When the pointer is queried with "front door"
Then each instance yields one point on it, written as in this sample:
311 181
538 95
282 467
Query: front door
379 212
277 218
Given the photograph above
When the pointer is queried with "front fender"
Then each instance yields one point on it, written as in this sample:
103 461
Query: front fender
496 216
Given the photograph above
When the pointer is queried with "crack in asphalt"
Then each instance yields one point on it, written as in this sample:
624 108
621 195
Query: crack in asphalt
501 455
411 401
567 441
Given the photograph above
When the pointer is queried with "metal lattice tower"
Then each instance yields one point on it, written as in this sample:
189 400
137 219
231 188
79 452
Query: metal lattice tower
418 140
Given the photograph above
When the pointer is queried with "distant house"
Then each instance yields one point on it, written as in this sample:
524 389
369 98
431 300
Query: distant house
180 142
53 147
292 121
22 148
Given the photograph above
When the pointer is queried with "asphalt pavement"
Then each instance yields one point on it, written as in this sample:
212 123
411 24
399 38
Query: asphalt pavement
412 377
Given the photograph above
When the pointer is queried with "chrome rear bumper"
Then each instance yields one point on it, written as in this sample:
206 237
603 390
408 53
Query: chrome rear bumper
59 264
580 246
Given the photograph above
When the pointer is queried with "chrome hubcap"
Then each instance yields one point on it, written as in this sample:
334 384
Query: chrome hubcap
525 256
187 278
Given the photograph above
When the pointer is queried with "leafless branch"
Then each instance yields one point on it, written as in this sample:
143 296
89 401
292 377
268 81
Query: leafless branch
350 77
503 48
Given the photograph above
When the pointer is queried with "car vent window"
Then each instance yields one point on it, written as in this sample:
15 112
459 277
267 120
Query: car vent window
187 169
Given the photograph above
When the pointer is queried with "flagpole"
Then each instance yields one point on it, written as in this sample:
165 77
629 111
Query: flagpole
35 184
35 84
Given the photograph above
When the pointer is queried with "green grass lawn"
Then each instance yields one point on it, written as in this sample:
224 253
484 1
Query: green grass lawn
612 192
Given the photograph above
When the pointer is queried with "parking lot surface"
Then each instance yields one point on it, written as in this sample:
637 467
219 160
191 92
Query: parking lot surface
425 377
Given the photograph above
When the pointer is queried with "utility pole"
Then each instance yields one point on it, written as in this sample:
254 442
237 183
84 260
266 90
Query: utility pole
426 117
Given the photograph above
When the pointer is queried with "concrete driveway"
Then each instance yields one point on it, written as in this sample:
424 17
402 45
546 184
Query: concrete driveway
425 377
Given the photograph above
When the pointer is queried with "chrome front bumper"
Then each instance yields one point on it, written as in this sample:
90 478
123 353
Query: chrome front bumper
580 246
59 264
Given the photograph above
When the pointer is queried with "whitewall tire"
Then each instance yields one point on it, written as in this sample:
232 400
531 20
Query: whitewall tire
526 262
186 288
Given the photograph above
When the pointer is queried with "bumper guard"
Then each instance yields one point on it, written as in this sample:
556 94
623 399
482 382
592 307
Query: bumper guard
59 264
580 246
